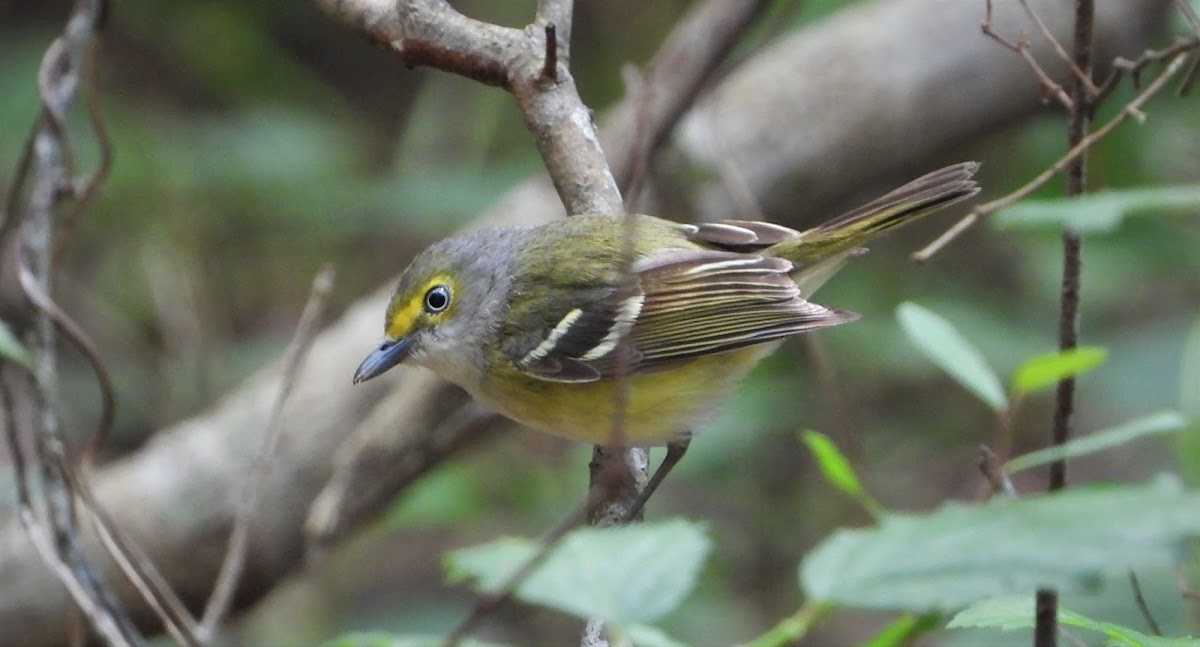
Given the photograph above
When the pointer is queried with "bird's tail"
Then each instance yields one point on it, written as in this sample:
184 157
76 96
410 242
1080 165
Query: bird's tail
818 252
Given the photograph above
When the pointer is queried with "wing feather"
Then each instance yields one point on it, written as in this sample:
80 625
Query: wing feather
684 303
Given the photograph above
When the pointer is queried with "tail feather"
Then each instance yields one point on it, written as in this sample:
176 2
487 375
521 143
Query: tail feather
920 197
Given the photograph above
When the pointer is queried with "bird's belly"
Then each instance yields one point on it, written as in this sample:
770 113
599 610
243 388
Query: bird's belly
660 405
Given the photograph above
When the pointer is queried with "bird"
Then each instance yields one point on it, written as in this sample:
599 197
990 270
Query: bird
546 323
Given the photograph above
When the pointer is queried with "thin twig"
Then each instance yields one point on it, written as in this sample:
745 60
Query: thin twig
113 629
1080 75
834 399
685 63
1189 14
1078 121
1022 48
667 86
1134 68
1189 77
136 566
350 497
221 598
1143 608
84 191
1086 143
993 471
550 65
42 190
504 592
741 195
1045 631
641 92
74 333
618 471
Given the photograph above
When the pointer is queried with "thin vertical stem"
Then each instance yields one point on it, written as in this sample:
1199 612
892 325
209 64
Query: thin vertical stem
1068 323
1078 118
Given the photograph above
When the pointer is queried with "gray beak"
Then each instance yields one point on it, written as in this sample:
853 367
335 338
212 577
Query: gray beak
389 354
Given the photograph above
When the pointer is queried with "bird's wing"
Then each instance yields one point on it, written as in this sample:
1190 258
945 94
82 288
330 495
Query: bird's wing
675 306
739 235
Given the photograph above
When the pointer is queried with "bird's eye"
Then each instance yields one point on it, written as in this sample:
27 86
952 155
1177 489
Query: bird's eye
437 298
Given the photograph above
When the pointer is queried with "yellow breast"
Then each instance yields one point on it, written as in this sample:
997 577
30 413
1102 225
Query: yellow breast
661 405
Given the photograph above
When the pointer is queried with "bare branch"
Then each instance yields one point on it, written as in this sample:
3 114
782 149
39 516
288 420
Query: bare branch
431 33
1130 110
685 62
132 562
1134 68
1021 48
1080 76
235 554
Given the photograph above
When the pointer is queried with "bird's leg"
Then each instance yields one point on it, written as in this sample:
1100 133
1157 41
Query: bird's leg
675 451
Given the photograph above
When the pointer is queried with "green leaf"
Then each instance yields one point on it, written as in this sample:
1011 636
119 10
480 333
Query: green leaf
382 639
1098 212
837 469
947 348
1155 423
11 348
629 575
1046 370
1016 612
959 553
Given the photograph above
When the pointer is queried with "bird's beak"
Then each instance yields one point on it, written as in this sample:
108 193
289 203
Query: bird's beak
389 354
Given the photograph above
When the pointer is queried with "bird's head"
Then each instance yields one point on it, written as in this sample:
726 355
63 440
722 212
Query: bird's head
447 302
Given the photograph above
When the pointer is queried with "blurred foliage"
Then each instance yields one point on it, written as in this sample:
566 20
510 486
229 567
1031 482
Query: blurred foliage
1013 612
256 141
625 576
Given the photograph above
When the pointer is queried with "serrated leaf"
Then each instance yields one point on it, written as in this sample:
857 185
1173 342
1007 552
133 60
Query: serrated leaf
947 348
1046 370
958 554
1100 211
1155 423
1017 612
837 469
628 575
11 348
383 639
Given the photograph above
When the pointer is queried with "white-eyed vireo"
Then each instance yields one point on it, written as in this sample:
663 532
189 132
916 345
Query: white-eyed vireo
529 320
